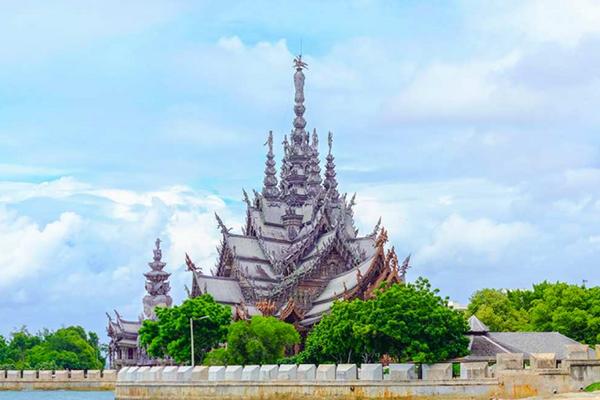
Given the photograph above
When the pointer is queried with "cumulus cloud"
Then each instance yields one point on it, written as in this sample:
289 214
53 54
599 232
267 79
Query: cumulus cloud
27 249
96 260
456 238
474 90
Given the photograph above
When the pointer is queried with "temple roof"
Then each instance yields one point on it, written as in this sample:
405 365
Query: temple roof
343 282
223 290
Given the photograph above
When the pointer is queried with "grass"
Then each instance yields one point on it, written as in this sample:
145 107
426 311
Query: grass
593 387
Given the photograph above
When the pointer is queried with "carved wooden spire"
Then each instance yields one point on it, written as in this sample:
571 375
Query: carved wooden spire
314 177
330 182
157 284
295 168
270 190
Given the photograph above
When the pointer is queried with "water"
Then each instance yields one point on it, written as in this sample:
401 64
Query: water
56 395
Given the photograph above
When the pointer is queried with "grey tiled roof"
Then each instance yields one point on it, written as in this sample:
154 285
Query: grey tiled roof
485 346
534 342
223 290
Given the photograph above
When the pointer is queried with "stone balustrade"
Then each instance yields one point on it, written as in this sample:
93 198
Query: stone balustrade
58 380
58 376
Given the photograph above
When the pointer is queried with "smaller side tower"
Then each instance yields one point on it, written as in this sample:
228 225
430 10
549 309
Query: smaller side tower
157 285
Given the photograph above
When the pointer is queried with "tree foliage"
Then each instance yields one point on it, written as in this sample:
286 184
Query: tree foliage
409 322
66 348
262 340
169 335
572 310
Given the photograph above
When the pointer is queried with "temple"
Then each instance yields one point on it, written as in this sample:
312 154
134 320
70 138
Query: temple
299 249
124 349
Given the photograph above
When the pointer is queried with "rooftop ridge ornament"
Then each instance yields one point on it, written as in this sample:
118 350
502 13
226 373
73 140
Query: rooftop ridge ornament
224 230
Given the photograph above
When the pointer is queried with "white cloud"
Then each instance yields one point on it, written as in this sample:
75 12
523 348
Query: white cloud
26 249
472 90
562 21
456 238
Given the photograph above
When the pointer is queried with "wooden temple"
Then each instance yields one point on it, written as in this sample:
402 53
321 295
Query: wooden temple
299 250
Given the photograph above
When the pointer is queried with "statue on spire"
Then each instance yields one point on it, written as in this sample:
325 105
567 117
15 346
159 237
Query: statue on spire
299 64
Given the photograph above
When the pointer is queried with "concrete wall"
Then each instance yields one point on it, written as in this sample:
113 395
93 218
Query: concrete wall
58 380
295 382
353 382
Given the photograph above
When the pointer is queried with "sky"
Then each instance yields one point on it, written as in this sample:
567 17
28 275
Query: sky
471 128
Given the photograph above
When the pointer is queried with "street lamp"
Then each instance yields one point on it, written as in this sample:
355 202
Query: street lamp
192 335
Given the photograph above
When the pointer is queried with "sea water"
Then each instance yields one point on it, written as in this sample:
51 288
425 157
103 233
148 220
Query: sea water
56 395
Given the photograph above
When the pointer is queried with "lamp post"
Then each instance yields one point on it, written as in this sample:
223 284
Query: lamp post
192 336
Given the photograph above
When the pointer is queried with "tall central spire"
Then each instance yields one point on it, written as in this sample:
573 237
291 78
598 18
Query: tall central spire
296 167
299 136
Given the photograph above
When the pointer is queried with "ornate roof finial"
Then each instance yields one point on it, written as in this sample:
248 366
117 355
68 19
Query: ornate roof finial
190 264
246 198
222 227
376 228
382 238
404 267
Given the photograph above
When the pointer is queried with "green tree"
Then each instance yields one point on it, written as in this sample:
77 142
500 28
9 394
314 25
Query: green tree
4 360
21 342
262 340
67 348
496 309
572 310
169 334
410 322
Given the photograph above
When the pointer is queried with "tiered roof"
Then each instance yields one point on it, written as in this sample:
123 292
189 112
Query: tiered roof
299 249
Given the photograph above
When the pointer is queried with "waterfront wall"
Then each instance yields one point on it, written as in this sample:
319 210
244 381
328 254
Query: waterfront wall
58 380
508 378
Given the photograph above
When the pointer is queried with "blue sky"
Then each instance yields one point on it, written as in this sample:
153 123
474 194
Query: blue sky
470 127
